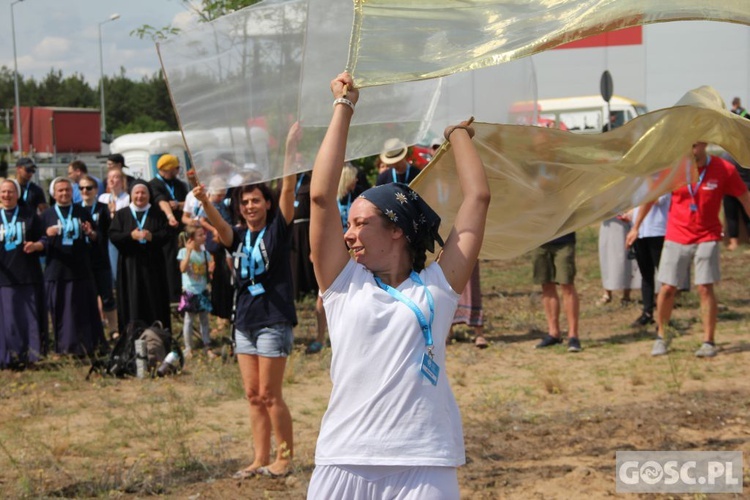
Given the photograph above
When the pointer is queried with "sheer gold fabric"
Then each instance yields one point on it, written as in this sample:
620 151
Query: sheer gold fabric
406 40
239 82
547 182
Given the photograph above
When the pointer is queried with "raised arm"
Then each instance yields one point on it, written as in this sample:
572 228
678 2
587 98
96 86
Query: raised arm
214 217
286 198
329 253
465 239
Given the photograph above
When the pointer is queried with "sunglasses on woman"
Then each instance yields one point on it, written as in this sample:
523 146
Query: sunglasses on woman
87 188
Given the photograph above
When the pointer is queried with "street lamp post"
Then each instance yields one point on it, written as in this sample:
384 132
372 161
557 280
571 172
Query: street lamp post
19 135
113 17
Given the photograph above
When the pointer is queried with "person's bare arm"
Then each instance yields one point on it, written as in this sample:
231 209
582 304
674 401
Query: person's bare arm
167 209
226 236
329 253
464 242
642 213
186 259
286 198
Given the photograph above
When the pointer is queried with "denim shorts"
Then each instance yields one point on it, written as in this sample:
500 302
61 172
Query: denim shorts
272 341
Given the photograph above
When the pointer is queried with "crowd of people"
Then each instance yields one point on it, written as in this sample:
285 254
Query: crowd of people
81 264
96 255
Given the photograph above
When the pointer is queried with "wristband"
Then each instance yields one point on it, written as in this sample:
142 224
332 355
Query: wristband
467 128
343 100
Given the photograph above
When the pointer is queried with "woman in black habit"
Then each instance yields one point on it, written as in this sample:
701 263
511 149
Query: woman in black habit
69 281
139 231
23 329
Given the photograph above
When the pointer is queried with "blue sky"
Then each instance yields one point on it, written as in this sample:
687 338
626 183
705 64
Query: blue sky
674 58
63 34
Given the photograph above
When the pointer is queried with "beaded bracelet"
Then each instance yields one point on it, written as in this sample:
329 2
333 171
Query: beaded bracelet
343 100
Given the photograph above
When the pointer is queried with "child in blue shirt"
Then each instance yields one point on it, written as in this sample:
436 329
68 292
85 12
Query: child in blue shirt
196 265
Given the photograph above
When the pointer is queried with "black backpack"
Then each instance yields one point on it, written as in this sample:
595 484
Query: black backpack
121 361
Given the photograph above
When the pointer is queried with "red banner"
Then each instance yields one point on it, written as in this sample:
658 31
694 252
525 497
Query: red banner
627 36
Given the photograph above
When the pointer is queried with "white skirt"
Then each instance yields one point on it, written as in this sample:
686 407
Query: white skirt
618 272
367 482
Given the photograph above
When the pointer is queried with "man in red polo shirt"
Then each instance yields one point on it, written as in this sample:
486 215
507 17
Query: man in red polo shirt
693 235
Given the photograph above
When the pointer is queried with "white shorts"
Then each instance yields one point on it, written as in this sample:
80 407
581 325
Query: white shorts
366 482
676 259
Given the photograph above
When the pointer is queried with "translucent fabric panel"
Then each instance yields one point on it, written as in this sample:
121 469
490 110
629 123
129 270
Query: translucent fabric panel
235 84
238 83
547 182
407 40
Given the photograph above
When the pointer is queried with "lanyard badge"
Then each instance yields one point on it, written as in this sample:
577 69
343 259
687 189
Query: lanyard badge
140 223
11 233
254 264
429 367
69 227
693 201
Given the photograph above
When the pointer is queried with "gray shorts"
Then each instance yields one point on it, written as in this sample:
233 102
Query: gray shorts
676 258
273 341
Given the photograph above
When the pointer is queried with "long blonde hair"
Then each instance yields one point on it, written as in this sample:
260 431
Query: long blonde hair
348 174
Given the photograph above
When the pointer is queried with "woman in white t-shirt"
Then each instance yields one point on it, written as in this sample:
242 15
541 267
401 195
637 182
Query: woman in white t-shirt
392 428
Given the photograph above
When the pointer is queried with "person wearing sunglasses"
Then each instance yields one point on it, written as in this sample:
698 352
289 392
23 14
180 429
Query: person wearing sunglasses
76 170
99 249
69 231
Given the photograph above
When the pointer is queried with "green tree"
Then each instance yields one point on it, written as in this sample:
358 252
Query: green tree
205 11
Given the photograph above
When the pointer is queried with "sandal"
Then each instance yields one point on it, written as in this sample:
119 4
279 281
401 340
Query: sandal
246 473
604 299
264 471
480 342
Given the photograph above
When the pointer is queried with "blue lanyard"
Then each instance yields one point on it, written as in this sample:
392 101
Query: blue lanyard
67 223
694 205
26 192
255 261
142 222
198 210
344 209
10 228
299 183
169 188
93 208
423 324
406 177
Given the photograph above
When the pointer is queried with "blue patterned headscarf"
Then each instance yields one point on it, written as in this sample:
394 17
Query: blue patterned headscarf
405 208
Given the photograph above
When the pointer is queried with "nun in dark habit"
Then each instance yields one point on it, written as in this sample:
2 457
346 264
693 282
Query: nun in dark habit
23 329
69 282
139 232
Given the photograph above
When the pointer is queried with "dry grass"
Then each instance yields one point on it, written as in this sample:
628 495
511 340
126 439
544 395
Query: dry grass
541 424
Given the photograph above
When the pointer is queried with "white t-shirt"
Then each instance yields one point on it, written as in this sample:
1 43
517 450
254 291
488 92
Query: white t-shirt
121 201
655 222
382 410
192 206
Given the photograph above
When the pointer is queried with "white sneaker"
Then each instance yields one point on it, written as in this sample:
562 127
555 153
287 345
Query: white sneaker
660 347
706 351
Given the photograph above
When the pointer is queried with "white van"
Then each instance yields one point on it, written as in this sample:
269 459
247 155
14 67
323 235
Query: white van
142 151
584 115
